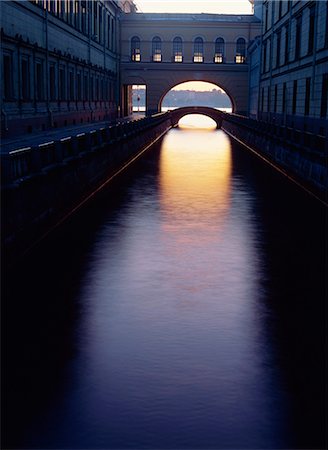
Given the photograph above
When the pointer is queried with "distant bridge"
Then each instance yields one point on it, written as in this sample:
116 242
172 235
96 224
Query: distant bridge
213 113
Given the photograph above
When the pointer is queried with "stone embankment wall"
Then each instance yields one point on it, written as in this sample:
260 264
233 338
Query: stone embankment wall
45 184
299 155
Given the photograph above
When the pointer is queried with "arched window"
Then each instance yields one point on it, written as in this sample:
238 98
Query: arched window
240 51
177 49
157 49
219 51
198 50
135 49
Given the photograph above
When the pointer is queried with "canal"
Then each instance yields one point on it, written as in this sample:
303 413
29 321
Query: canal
184 308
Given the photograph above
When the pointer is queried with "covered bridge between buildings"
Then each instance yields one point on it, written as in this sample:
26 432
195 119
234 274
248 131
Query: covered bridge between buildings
161 51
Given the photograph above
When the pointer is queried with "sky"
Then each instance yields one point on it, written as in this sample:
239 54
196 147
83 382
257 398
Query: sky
195 6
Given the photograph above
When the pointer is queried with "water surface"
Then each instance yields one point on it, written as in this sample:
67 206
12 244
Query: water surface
184 308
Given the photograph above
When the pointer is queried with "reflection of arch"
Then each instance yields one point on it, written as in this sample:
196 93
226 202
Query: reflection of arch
233 103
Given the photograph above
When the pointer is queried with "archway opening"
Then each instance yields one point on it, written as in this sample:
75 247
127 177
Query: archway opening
196 93
197 121
139 99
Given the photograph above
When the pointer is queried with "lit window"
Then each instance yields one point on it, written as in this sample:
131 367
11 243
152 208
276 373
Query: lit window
135 49
157 49
198 50
240 51
219 51
177 50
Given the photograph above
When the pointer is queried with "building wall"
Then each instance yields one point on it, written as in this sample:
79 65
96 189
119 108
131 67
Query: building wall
230 72
60 63
254 58
294 61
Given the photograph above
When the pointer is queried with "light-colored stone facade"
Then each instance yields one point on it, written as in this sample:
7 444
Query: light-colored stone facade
213 48
60 63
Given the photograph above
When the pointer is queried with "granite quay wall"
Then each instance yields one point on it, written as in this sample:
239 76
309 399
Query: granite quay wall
300 155
43 185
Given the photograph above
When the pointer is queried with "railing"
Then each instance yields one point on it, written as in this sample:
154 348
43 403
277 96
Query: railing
315 146
25 162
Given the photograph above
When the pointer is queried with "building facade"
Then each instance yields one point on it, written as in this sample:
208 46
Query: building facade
163 50
293 62
67 62
60 62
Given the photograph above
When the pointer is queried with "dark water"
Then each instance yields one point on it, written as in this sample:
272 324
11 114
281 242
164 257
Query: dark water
183 309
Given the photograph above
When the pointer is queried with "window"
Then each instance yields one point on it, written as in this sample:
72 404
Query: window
108 31
71 85
25 73
311 30
157 49
135 49
77 14
84 16
86 86
269 99
262 99
273 4
39 91
112 30
198 50
62 83
287 45
95 19
265 45
219 51
278 42
307 96
91 95
177 49
97 89
78 86
52 82
266 18
100 24
280 8
240 51
294 97
298 37
284 98
324 95
275 98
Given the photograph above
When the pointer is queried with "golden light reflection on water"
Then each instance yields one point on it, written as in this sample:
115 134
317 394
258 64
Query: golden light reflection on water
197 121
195 170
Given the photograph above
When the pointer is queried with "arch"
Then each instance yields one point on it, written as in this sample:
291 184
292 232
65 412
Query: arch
198 56
240 57
177 49
219 50
227 91
212 113
156 49
135 49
